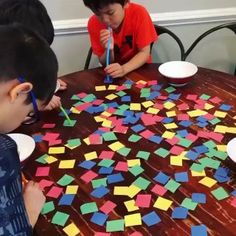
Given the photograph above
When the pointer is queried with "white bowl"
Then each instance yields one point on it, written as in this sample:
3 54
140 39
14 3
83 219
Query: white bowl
178 73
231 149
25 145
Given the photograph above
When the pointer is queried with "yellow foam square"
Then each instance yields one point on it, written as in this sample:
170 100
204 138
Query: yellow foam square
176 161
130 205
71 230
66 164
222 148
111 96
99 119
169 105
220 114
196 113
74 110
147 104
195 173
56 150
121 190
50 159
208 106
135 106
133 219
171 126
112 87
171 113
133 162
207 181
133 191
100 88
91 155
116 146
152 110
221 129
107 123
163 203
231 130
72 189
168 135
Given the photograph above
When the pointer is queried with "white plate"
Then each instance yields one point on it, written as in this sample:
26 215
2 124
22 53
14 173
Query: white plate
178 69
25 144
58 86
231 149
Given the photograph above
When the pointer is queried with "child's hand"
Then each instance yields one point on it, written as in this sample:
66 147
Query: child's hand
63 85
54 103
104 36
34 201
115 70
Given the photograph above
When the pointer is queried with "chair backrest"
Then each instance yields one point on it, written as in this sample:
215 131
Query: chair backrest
88 59
230 26
162 30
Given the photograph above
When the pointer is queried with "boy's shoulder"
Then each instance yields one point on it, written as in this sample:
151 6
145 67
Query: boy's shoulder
137 9
94 23
6 143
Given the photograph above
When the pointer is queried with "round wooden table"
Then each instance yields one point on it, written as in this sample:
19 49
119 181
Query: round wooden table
218 216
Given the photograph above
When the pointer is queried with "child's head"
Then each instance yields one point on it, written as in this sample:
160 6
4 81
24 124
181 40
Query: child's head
109 12
30 13
24 54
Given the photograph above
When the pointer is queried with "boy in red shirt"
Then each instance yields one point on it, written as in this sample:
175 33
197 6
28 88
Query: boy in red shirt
131 37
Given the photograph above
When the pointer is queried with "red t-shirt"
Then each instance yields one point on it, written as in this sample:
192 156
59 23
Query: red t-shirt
137 31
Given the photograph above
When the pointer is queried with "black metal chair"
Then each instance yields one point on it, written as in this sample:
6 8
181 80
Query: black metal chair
163 30
160 30
230 26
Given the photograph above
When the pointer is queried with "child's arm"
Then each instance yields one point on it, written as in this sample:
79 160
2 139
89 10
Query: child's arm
34 201
116 70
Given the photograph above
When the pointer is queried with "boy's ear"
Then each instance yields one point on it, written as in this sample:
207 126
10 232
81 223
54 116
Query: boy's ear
126 3
22 88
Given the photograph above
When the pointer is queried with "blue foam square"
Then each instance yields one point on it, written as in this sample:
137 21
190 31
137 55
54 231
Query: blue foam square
185 123
162 178
151 218
201 149
137 128
105 170
199 197
199 230
87 164
192 155
225 107
181 177
66 199
115 178
99 218
100 192
180 213
156 139
126 99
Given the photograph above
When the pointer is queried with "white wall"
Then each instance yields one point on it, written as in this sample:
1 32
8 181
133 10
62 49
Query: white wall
187 18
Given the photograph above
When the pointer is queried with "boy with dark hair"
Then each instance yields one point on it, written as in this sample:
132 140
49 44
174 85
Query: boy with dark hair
32 14
28 76
131 37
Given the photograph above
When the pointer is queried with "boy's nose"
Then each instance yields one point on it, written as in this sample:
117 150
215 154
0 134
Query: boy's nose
106 20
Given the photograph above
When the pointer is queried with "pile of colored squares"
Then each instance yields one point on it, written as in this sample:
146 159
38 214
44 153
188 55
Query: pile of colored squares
119 116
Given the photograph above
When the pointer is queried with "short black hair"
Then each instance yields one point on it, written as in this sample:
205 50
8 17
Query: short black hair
23 53
96 5
30 13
